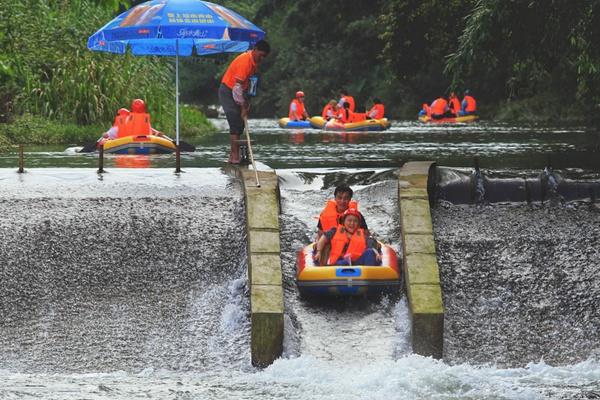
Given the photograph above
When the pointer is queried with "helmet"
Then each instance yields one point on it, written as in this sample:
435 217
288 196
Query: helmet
138 106
299 93
350 211
123 111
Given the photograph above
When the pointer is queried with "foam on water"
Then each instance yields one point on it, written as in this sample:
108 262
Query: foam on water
309 377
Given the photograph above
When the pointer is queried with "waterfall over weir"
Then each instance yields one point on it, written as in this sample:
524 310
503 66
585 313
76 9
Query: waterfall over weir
131 270
133 285
519 269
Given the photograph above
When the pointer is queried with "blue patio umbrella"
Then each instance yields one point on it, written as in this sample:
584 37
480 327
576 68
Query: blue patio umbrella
176 28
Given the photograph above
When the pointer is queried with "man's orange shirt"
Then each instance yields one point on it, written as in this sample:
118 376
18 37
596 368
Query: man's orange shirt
241 68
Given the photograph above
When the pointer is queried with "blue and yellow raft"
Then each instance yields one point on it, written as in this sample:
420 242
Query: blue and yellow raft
450 120
366 125
139 144
347 280
286 123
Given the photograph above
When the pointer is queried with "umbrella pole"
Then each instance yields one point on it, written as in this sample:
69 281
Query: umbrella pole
177 92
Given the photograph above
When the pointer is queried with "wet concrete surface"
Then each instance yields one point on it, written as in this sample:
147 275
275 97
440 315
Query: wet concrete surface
520 283
106 279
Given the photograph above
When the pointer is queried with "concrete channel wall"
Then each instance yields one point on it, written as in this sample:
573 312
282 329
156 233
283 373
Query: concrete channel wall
264 265
420 267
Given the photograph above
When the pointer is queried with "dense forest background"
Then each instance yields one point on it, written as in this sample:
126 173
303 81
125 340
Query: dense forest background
522 59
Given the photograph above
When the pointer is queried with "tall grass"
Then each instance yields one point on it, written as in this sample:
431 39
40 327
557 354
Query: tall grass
46 69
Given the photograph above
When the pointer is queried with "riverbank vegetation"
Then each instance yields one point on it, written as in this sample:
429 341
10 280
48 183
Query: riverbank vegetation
523 60
55 90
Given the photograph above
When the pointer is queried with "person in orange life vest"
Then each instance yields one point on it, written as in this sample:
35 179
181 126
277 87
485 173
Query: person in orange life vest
138 106
120 120
453 103
346 98
330 110
345 115
334 209
377 111
233 93
439 108
425 110
297 109
468 105
350 244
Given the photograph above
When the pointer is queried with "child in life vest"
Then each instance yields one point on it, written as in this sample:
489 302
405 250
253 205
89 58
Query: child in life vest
334 210
350 245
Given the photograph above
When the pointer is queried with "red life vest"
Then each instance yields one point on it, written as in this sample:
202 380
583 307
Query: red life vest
329 217
439 106
140 123
471 104
454 105
358 117
326 110
120 123
348 99
345 115
377 111
299 110
341 245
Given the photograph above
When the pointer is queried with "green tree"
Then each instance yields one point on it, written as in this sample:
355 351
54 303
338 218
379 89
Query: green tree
46 69
517 50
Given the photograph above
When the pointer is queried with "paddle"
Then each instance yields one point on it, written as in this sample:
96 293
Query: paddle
89 147
187 147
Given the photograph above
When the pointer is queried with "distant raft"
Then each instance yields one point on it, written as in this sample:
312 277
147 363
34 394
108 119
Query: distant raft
286 123
347 280
452 120
366 125
138 144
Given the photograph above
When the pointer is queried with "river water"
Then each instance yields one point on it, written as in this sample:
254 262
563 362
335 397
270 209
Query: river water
132 284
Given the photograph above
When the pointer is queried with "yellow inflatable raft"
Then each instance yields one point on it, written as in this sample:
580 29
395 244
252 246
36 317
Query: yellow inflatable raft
347 280
464 118
366 125
139 144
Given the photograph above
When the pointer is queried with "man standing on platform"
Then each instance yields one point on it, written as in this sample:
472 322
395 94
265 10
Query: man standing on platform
233 93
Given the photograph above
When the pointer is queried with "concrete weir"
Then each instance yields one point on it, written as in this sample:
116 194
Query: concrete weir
264 265
420 265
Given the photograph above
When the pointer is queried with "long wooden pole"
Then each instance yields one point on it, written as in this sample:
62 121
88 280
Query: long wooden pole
250 151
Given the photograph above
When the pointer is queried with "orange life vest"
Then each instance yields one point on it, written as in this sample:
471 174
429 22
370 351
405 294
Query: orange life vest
347 99
377 111
439 106
350 101
471 104
454 105
358 117
121 123
328 107
329 217
341 245
136 124
345 115
299 110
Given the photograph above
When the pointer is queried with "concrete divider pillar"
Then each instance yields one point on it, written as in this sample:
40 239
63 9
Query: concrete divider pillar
264 265
420 266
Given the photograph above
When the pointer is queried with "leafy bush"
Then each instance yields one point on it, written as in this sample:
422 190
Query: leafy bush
47 69
33 129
